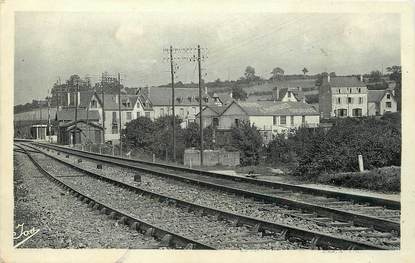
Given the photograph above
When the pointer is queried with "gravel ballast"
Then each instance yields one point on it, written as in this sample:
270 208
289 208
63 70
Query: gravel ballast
229 202
205 229
64 222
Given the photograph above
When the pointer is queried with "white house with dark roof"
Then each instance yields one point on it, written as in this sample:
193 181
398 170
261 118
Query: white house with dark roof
343 97
131 108
186 102
270 117
381 102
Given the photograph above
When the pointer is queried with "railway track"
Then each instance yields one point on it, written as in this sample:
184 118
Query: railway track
360 211
312 239
167 238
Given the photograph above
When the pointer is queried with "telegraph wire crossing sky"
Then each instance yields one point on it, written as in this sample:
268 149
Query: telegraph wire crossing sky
51 45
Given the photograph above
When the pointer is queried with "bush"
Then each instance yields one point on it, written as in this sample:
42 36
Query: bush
138 133
378 141
279 150
247 139
384 179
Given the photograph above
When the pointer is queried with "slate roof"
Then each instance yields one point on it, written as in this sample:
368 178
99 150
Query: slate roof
215 108
85 97
225 98
69 115
270 108
111 101
184 96
298 94
71 125
343 81
376 95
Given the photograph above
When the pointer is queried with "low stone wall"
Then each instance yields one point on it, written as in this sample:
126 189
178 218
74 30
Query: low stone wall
211 158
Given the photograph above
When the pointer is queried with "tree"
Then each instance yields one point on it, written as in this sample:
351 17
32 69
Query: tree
163 137
139 133
277 73
247 139
238 93
249 73
375 76
396 75
192 136
304 70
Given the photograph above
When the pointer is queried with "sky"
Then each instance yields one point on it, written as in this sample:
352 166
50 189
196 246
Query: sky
56 45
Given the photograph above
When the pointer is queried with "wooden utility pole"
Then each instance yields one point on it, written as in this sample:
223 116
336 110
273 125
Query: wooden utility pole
103 110
119 110
172 103
48 128
76 112
200 105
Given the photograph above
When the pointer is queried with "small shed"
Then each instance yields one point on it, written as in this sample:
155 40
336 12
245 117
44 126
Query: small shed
81 132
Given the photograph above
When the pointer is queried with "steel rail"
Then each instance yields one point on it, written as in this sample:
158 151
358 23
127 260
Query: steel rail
318 239
336 214
168 239
390 204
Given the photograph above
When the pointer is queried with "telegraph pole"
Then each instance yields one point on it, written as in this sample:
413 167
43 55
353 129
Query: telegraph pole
49 116
76 111
119 109
200 106
172 103
103 111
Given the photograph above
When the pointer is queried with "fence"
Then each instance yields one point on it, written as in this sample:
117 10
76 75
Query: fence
211 158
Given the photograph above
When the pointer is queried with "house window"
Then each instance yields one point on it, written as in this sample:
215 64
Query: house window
283 119
292 120
114 128
237 122
388 96
161 112
339 90
342 112
147 114
357 112
114 116
289 94
274 120
182 112
360 100
215 122
359 90
350 100
93 104
128 115
388 104
138 114
339 100
303 119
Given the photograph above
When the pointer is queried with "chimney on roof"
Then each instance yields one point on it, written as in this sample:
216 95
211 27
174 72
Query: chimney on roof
361 78
328 78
